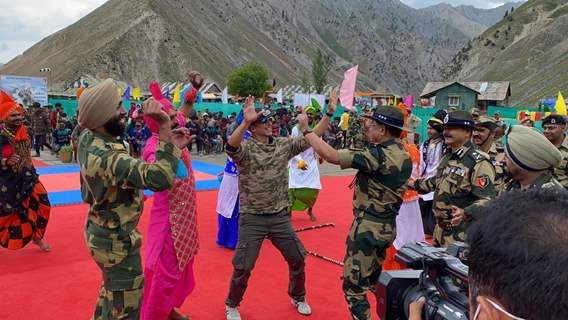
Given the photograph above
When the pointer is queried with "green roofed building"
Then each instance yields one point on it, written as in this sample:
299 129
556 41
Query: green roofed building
467 95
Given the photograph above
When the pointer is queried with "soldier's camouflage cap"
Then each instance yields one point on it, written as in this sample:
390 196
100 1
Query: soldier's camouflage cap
459 119
487 122
389 116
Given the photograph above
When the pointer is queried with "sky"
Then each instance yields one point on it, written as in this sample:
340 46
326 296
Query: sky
25 22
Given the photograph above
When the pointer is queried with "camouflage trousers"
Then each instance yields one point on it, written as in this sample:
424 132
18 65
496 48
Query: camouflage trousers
117 254
367 243
443 237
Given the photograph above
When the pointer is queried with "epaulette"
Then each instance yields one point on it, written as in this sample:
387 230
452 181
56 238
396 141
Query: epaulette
116 146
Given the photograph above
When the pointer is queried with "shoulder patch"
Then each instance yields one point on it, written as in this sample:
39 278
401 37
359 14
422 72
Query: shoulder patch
482 181
116 146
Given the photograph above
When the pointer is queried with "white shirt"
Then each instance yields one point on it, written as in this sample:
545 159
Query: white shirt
429 164
309 178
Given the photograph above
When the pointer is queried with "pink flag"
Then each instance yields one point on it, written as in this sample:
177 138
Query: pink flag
408 102
347 92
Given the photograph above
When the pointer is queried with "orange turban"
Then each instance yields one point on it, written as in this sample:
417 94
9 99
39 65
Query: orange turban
7 105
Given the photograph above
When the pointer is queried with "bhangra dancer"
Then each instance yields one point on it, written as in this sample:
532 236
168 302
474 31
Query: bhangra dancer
304 177
172 232
24 206
228 198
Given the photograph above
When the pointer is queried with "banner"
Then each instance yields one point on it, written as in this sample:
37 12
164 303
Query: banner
560 106
177 94
25 90
136 93
347 91
304 100
225 95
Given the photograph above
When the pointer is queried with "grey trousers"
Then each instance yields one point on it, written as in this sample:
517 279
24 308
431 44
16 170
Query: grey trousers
253 229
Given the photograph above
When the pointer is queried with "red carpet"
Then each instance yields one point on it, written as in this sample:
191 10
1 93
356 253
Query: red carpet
64 284
39 164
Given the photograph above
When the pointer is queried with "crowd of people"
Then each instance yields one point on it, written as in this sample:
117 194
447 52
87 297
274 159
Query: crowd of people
444 189
50 127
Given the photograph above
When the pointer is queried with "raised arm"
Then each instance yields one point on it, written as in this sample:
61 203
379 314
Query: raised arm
323 149
319 130
250 115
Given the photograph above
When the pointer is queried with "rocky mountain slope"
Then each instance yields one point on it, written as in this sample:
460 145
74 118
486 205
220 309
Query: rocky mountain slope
396 47
529 48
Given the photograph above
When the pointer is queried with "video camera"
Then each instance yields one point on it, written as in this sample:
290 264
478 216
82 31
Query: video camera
438 274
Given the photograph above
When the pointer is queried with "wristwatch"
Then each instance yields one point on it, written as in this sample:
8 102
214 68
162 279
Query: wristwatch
329 114
306 132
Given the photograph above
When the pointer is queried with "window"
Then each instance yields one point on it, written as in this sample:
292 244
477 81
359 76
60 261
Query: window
454 101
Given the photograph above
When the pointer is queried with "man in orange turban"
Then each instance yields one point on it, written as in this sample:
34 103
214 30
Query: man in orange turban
24 206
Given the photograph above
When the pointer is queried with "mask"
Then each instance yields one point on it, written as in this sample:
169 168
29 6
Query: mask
498 307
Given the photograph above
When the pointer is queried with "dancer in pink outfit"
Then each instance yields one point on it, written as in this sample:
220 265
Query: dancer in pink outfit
172 240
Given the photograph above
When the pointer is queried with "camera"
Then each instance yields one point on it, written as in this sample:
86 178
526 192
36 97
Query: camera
439 274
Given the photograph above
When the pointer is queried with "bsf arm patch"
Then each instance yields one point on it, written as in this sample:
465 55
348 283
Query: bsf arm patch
116 146
482 181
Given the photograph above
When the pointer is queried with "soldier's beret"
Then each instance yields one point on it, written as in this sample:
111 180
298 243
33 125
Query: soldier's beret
392 117
530 150
459 119
554 119
486 122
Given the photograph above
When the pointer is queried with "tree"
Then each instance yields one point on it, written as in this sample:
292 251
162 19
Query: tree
250 79
306 84
321 65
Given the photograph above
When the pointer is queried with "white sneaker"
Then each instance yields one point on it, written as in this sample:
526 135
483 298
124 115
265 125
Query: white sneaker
302 307
232 313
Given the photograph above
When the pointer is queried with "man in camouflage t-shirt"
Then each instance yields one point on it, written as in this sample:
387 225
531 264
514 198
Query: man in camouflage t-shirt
384 168
262 162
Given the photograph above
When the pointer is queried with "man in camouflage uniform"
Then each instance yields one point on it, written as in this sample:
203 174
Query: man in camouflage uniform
484 138
40 125
464 179
262 162
384 168
555 131
112 184
530 158
475 114
355 137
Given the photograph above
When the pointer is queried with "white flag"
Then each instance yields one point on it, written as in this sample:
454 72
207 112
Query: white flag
280 96
225 96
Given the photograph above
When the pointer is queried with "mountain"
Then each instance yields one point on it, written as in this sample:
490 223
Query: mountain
137 41
528 48
470 20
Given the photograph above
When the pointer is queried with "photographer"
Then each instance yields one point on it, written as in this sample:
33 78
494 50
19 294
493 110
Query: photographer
517 258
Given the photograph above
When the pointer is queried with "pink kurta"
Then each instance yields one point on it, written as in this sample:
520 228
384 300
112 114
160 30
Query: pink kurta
168 280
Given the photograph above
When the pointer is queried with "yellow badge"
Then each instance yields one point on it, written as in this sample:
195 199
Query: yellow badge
116 146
